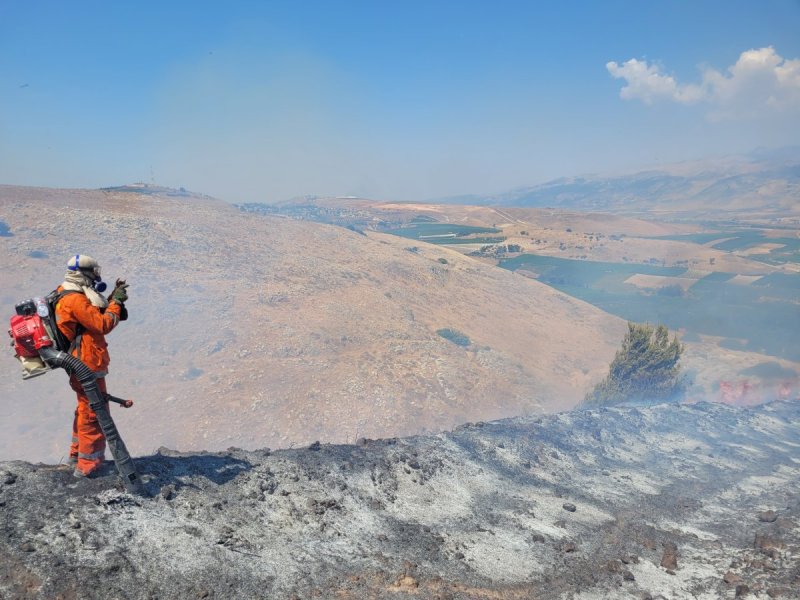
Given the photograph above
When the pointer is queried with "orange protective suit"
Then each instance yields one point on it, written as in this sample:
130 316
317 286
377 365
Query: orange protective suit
76 315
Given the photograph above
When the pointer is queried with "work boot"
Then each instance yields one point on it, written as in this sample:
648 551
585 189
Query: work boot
105 468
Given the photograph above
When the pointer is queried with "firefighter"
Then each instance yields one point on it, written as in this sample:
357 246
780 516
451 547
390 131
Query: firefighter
85 316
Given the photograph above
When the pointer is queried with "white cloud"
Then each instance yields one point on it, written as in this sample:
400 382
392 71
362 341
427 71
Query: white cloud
647 83
760 82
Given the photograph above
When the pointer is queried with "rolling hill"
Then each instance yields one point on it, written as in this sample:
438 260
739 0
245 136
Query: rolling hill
257 331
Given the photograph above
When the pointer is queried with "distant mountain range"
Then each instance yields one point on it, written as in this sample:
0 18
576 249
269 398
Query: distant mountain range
765 180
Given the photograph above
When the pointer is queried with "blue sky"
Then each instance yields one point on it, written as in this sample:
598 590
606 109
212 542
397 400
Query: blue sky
261 101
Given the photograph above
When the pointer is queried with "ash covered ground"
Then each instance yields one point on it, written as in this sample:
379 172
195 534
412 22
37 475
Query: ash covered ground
689 501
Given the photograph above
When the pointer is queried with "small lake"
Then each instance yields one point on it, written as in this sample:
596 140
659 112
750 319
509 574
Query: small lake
762 316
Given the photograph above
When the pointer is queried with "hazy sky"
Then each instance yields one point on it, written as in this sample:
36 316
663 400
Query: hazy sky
261 101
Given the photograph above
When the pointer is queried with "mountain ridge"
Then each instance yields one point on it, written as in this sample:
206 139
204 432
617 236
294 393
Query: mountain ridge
761 181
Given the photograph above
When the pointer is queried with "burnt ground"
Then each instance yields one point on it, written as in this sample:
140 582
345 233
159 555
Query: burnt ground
691 501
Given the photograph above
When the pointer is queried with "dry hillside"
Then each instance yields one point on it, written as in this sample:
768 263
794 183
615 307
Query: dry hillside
259 331
264 331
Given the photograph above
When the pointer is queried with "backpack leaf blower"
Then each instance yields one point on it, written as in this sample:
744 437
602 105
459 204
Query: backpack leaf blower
40 346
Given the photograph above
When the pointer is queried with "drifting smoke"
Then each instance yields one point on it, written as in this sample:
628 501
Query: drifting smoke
746 393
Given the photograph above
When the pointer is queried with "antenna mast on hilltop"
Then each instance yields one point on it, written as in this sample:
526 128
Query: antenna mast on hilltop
152 176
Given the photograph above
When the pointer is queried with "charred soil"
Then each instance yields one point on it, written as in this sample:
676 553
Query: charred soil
691 501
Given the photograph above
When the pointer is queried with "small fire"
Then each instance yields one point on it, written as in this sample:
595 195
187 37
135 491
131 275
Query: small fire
745 393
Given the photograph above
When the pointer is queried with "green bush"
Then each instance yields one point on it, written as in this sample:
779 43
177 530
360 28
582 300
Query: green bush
454 336
645 369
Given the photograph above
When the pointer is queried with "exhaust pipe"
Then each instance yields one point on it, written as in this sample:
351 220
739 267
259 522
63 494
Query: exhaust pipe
88 380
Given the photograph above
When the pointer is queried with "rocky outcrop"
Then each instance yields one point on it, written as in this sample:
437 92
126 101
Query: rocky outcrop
624 503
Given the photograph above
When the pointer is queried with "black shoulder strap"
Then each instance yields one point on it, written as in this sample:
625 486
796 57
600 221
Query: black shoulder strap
79 329
62 293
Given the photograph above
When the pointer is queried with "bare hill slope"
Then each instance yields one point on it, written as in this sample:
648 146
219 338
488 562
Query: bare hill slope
256 331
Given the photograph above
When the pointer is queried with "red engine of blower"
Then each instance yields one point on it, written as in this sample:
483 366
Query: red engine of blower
29 334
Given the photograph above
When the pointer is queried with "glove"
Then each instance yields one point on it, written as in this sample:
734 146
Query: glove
120 293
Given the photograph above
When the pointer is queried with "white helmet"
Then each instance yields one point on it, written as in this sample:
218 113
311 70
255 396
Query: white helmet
85 264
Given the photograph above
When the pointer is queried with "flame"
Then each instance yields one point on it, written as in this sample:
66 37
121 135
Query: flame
745 393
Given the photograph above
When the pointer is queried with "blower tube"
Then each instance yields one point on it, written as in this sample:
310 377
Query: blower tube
88 381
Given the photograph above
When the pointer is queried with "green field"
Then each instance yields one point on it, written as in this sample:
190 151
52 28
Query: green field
445 233
742 239
765 314
477 240
696 238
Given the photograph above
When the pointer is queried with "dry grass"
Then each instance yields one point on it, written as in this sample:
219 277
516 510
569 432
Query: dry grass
257 331
264 331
